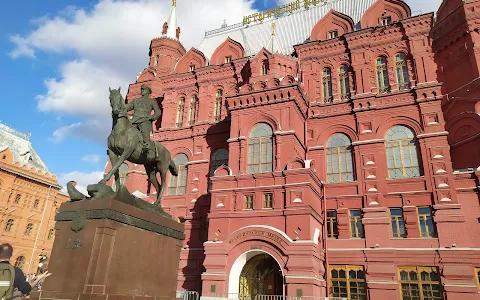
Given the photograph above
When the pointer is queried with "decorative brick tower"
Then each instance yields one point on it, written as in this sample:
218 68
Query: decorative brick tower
456 43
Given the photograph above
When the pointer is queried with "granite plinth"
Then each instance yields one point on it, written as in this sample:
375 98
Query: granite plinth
106 249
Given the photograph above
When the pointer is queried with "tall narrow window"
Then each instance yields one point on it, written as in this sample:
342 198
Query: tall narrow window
348 282
402 71
344 82
51 232
420 283
356 227
228 59
339 159
382 75
219 158
265 67
332 227
36 203
17 198
402 157
29 229
180 110
327 85
9 225
123 173
260 149
398 224
156 61
192 68
178 184
193 115
268 200
248 201
20 262
218 106
425 221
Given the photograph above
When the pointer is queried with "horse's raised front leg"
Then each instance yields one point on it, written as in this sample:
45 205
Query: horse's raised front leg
113 160
125 154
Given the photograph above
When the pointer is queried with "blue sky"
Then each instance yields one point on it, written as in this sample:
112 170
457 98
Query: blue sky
58 59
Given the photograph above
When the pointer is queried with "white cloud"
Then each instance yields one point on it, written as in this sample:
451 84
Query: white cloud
93 158
110 43
82 90
82 179
94 130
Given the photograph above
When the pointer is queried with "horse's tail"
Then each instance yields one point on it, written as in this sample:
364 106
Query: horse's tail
173 168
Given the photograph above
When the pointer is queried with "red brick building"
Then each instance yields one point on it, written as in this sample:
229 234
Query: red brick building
358 102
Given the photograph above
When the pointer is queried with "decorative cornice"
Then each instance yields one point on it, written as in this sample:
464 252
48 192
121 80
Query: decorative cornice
109 214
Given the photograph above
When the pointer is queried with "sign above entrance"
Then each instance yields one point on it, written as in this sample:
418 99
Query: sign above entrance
280 10
262 233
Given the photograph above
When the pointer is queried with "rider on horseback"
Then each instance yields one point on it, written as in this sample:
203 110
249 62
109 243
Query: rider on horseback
142 118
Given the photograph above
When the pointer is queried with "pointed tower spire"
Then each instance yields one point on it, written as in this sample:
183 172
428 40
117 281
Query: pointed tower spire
170 28
272 45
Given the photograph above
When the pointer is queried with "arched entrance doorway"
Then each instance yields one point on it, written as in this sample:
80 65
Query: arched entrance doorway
261 275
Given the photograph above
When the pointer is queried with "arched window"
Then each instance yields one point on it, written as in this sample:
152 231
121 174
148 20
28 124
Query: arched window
327 85
339 159
51 232
344 82
36 203
123 173
20 262
9 225
219 157
218 106
402 71
402 156
178 184
180 110
265 67
29 229
382 75
260 149
17 198
193 115
156 60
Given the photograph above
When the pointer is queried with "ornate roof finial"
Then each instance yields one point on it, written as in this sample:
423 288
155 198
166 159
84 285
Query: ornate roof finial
170 29
273 45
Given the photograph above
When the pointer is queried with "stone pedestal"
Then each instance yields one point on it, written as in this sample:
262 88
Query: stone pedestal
110 250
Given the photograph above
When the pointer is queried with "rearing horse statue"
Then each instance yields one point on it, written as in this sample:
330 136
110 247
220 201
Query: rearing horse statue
125 143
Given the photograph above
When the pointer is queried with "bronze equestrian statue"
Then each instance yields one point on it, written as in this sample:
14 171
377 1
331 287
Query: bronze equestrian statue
132 142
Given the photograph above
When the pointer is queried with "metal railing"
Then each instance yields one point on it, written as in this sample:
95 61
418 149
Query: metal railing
187 295
275 297
223 29
224 296
213 296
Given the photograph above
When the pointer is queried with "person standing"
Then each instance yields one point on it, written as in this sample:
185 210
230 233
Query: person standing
12 278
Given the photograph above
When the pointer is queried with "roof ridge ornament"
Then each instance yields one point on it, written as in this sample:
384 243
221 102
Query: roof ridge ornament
170 28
